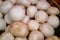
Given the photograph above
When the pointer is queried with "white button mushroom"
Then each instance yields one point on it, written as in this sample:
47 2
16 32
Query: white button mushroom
6 6
17 13
53 20
33 1
19 38
53 11
36 35
19 29
26 19
31 11
2 24
7 36
43 5
1 15
8 19
26 3
47 30
12 1
41 16
33 25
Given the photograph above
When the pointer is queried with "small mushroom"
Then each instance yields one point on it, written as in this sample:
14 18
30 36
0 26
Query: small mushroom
41 16
6 6
33 25
18 29
36 35
31 11
53 20
47 30
17 13
43 5
53 11
7 36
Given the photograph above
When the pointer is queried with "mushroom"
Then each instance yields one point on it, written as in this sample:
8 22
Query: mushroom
41 16
17 13
5 6
53 11
53 20
18 29
7 36
33 25
43 5
47 29
31 11
36 35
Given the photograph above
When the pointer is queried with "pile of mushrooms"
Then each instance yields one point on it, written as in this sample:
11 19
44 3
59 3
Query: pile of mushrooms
28 20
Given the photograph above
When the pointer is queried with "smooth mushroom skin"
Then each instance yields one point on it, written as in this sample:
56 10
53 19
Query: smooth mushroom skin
36 35
33 25
52 38
18 29
47 30
26 19
1 15
53 20
43 5
2 24
17 13
8 19
33 1
31 11
6 6
12 1
41 16
53 11
19 38
26 3
7 36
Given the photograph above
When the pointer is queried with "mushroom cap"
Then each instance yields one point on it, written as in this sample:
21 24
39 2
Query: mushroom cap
18 29
36 35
